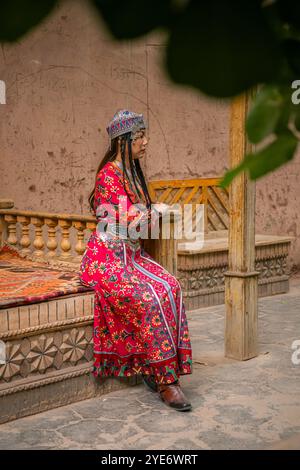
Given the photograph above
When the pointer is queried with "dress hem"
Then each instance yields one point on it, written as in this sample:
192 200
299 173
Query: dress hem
165 371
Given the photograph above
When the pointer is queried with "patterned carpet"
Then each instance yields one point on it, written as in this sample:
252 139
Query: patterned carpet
23 281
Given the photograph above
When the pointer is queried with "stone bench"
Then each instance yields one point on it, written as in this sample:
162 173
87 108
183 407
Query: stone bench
201 271
47 344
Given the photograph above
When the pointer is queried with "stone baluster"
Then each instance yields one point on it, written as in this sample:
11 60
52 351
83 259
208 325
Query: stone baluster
52 240
25 240
38 242
11 229
80 246
91 225
4 204
65 242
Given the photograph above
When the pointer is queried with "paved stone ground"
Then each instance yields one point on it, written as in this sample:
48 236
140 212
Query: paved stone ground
236 405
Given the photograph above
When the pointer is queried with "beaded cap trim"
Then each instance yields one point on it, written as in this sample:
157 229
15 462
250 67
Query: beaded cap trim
125 121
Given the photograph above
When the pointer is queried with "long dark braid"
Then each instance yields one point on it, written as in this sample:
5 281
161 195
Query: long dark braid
126 139
136 170
122 147
143 183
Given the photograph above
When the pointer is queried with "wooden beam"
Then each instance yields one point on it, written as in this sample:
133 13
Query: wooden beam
241 278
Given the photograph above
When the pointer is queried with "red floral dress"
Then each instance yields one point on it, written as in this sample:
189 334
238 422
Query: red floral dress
140 324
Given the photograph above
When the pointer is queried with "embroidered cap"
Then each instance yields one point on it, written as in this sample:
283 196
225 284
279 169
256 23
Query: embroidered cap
125 121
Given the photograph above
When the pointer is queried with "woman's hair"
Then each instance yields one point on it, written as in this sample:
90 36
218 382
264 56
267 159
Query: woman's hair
136 170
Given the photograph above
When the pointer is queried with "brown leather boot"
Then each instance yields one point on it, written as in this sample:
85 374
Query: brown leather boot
173 396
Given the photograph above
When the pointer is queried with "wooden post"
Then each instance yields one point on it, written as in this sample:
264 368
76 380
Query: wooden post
241 277
164 250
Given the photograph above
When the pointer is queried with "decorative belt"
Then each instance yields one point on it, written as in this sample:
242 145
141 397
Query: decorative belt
117 232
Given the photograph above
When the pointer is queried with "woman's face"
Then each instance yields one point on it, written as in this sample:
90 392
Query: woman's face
139 144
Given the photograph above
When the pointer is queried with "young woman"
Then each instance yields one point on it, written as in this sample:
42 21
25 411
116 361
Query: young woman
140 325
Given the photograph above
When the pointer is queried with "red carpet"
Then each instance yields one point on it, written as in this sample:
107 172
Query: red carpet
23 281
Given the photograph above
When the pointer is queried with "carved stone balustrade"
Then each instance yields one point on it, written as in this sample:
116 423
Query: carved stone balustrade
53 237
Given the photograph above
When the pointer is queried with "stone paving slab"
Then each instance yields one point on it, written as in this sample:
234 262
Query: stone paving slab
253 404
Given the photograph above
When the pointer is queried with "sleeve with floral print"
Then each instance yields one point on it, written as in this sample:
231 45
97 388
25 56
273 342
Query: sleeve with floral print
111 195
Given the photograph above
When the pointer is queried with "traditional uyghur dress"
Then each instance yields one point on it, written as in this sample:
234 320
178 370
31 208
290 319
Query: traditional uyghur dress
140 324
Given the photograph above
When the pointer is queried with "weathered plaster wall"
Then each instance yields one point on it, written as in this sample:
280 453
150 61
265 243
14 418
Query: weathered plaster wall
64 82
278 206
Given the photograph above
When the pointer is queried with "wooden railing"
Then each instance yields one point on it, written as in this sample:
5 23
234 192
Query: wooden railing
196 191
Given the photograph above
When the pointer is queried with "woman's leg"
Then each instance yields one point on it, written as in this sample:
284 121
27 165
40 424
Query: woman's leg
167 292
169 296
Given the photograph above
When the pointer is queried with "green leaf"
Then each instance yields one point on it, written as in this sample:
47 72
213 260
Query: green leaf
128 19
231 174
268 159
284 119
264 114
19 16
223 47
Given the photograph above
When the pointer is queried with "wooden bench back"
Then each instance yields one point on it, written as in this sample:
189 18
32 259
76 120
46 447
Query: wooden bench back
196 191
